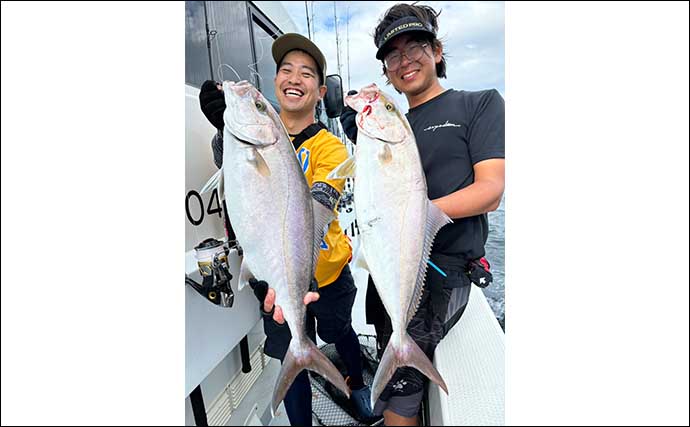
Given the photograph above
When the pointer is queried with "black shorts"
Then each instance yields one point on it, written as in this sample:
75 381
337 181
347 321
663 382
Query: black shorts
330 316
404 392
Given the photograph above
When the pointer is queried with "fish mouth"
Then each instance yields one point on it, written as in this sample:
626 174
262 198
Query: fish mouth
240 88
369 93
249 141
391 141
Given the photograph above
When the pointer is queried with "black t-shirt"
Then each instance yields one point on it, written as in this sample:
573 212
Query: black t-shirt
454 131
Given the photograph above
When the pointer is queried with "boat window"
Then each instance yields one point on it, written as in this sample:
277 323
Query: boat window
197 68
264 69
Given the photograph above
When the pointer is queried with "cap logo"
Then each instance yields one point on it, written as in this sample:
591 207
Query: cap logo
401 27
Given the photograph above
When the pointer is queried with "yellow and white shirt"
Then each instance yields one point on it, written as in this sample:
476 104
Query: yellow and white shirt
319 152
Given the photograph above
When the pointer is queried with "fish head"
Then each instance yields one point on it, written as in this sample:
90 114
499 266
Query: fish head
249 117
377 115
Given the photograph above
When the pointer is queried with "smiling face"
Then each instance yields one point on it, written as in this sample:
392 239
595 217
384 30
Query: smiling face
413 77
297 83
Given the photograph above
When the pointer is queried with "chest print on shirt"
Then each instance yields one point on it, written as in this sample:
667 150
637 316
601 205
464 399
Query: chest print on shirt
444 125
303 156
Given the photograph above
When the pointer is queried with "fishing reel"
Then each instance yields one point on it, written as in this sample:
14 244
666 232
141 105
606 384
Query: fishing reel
212 259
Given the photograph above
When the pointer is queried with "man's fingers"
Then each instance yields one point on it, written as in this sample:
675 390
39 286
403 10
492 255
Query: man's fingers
269 300
278 315
311 297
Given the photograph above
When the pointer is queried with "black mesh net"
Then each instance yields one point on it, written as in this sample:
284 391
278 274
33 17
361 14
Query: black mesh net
329 405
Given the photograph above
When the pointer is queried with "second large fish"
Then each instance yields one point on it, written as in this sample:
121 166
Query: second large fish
397 223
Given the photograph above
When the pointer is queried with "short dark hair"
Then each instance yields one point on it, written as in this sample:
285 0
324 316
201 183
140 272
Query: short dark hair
426 14
318 69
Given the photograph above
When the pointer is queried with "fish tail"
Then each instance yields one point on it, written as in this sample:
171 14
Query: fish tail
294 363
405 353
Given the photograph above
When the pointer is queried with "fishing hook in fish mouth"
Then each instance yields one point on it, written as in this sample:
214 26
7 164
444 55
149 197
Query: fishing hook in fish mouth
367 112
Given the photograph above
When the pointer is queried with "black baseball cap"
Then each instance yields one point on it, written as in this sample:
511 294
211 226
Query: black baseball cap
402 25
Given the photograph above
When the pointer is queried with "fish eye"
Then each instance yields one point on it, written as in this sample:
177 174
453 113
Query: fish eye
390 107
260 106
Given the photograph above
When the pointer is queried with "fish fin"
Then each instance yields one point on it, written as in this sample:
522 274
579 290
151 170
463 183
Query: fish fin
407 354
255 158
344 170
221 186
322 218
361 261
216 181
313 360
288 372
320 364
435 219
245 275
385 155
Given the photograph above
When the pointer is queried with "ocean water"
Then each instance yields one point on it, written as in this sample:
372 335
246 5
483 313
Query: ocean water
495 254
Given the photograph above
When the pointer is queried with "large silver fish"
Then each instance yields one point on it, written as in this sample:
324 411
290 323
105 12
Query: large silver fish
397 223
276 220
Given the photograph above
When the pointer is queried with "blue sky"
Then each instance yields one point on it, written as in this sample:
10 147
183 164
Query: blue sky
472 32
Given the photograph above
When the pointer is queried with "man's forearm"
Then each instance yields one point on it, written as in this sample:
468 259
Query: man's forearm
475 199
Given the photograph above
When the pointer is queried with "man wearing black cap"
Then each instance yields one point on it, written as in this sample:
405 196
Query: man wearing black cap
460 137
299 86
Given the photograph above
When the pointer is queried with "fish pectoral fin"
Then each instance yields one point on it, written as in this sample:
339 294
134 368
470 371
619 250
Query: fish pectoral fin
255 158
385 154
344 170
361 261
216 181
245 275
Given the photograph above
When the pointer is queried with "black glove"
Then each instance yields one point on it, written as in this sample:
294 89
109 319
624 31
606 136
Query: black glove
277 334
260 289
314 285
212 101
347 119
217 148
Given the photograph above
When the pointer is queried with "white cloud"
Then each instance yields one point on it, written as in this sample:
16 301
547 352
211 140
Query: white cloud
472 33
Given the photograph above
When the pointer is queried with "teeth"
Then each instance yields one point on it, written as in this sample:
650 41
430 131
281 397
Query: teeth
293 92
408 75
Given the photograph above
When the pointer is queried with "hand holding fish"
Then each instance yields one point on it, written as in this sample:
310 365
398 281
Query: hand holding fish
212 102
267 296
